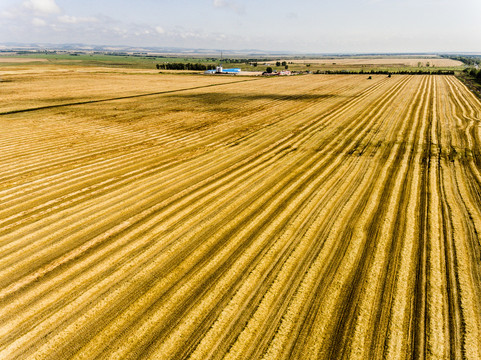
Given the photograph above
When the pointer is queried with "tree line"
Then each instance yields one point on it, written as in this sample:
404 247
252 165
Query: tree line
474 73
199 66
470 60
185 66
242 61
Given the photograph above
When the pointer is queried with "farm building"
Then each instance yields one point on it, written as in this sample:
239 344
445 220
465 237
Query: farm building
220 70
231 71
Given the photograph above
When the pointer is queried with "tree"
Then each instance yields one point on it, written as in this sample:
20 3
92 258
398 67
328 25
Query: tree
286 67
269 70
254 64
284 64
278 63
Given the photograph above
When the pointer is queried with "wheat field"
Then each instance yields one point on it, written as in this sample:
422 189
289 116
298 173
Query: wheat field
383 61
190 217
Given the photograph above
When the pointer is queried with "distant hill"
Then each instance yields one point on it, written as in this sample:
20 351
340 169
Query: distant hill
131 49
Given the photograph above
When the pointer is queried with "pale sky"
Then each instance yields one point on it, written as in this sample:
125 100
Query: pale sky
334 26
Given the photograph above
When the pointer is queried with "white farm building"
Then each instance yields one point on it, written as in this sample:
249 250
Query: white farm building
220 70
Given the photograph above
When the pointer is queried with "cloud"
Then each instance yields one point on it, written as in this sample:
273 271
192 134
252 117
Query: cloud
228 4
66 19
7 14
52 24
44 7
38 22
219 3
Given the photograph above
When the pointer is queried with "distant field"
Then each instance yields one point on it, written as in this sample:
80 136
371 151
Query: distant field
149 62
99 60
391 62
202 217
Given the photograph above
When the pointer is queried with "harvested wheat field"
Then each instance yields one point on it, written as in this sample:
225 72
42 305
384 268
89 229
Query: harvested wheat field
387 61
190 217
